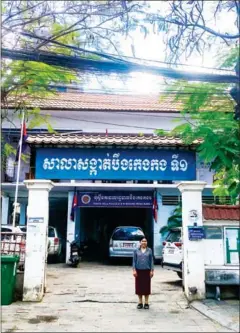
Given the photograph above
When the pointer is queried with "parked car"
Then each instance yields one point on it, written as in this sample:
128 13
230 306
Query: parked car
172 251
158 248
124 240
7 228
54 243
54 239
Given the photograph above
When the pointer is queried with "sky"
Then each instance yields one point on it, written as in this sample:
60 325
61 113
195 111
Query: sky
153 48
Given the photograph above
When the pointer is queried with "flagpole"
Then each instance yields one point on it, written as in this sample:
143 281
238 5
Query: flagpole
18 171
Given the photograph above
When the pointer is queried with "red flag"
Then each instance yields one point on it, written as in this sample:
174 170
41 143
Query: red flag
24 141
74 206
155 207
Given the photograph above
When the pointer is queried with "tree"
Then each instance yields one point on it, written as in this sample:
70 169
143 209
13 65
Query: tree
186 27
174 220
208 112
196 26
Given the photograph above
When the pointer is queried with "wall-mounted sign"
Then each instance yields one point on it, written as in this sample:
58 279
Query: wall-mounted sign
196 233
115 164
35 220
193 216
140 199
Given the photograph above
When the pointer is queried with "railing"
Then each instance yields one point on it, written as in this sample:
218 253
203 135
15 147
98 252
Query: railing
15 244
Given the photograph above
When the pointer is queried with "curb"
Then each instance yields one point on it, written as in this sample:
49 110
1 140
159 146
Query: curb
213 315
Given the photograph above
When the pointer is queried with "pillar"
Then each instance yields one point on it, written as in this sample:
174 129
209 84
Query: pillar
156 227
70 225
193 251
5 210
36 245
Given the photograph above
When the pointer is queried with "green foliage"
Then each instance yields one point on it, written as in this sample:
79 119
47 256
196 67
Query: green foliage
207 111
227 58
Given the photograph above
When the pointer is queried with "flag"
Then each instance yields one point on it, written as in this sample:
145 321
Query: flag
155 206
24 141
74 206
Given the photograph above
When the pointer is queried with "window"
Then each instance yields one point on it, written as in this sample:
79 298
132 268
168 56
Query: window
128 234
51 232
213 232
171 200
174 236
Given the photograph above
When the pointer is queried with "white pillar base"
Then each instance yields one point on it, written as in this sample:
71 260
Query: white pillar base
36 245
193 251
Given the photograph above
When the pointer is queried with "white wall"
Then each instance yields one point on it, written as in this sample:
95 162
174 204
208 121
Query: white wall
117 122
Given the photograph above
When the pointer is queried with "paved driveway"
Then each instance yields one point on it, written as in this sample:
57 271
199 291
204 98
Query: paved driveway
100 298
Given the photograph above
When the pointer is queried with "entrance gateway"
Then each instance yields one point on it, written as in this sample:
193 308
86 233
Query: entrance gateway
100 211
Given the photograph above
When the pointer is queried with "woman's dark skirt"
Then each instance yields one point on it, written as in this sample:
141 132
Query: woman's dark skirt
143 282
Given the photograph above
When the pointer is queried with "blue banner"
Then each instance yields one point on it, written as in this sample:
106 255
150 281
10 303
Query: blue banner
140 199
115 164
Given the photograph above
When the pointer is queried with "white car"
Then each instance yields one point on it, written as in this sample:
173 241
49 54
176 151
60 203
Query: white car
54 240
124 241
172 251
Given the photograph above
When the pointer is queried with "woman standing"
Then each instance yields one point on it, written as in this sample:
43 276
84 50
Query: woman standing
143 271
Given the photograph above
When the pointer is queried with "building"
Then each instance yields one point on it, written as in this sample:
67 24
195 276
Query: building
106 150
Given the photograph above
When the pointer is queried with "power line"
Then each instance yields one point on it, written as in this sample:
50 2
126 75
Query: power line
110 55
113 67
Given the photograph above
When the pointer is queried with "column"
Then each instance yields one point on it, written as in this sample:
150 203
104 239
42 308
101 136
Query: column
36 245
70 225
193 251
5 209
23 213
156 227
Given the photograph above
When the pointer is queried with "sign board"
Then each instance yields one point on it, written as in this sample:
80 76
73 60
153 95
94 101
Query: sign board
193 216
140 199
196 233
35 220
115 164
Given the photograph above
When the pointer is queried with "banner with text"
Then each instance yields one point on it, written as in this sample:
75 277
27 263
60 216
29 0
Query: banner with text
140 199
115 164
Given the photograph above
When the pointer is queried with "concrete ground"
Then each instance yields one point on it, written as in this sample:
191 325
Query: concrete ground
100 298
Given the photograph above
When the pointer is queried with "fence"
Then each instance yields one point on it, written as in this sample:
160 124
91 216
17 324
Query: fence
14 243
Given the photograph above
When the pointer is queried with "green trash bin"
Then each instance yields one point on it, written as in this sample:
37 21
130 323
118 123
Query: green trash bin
8 278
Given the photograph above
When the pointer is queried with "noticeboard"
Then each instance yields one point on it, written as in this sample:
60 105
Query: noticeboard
196 233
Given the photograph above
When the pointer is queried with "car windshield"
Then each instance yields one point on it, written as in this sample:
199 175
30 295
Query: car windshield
6 230
128 234
51 232
174 236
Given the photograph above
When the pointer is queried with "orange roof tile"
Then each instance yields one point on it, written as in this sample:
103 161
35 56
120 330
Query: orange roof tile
221 212
98 102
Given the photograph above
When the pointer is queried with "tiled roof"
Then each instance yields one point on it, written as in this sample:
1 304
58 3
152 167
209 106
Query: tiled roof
100 139
221 212
98 102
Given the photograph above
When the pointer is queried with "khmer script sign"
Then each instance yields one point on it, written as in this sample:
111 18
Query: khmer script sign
115 164
116 199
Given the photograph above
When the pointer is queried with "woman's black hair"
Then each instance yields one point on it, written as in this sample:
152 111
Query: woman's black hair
143 237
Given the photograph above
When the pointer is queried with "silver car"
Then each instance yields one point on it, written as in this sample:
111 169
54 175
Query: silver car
124 241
